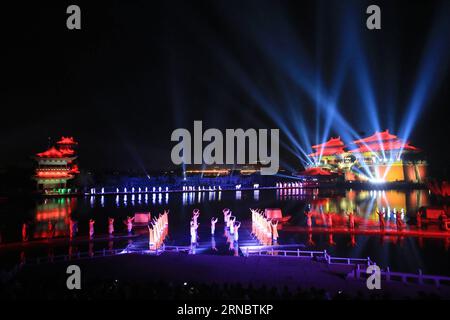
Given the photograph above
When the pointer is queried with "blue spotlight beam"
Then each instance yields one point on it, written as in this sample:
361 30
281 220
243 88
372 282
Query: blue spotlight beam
433 64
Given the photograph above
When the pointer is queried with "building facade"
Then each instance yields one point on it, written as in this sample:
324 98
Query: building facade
56 166
381 157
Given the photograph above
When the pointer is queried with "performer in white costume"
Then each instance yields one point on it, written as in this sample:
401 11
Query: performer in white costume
225 215
213 225
237 225
274 225
232 221
193 232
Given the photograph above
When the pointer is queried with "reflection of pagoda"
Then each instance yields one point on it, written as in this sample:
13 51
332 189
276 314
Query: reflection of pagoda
57 211
379 158
56 167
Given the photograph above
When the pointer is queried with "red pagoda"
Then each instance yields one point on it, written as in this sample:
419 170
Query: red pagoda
382 142
377 158
56 166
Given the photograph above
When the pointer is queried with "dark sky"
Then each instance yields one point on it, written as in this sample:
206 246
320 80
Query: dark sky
140 69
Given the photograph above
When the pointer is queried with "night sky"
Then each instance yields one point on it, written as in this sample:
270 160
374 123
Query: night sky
140 69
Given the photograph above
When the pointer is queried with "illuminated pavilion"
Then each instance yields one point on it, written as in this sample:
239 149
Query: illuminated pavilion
55 166
381 157
330 153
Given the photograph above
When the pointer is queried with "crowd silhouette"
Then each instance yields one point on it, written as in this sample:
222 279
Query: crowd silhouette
113 289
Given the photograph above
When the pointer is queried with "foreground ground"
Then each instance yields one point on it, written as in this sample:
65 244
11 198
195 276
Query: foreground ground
177 275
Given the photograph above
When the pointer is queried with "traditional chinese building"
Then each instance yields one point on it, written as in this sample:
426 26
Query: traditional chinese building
381 157
224 170
330 153
55 166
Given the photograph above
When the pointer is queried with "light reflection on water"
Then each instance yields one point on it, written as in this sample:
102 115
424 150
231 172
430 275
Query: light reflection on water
400 253
365 203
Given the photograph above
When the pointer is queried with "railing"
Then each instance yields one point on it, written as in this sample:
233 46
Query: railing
356 261
101 253
176 248
278 252
406 278
357 273
305 254
86 255
359 263
75 256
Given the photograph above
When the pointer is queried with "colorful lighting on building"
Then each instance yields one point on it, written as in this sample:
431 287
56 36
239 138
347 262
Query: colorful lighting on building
55 166
378 158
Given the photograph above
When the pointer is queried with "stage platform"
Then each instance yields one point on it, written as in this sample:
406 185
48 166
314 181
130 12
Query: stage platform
219 244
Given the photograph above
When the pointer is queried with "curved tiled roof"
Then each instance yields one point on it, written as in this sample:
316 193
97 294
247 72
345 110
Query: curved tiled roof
51 153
